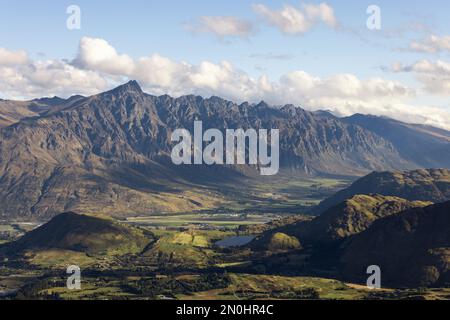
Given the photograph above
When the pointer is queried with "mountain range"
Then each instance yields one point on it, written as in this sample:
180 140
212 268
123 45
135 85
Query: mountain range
111 152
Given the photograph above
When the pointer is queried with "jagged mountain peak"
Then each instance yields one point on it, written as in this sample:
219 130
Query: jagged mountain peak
262 105
131 86
52 101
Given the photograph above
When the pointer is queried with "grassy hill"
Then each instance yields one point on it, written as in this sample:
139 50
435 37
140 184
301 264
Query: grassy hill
180 249
423 185
277 242
350 217
73 235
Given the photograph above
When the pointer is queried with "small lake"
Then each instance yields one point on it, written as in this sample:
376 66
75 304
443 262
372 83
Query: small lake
236 241
6 293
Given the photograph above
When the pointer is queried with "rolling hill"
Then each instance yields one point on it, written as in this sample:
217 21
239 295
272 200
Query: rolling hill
80 233
352 217
276 242
347 218
421 185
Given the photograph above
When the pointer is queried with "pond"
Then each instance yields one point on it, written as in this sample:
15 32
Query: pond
236 241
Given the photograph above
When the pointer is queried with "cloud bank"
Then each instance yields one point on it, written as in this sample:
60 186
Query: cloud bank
433 75
98 66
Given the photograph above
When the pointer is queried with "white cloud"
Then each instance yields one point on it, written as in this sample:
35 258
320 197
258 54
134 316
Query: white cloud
22 78
322 12
222 26
434 76
292 20
344 94
98 54
9 58
158 71
432 44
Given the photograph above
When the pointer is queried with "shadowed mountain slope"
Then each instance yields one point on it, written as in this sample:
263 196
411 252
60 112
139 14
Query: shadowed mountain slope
426 146
411 248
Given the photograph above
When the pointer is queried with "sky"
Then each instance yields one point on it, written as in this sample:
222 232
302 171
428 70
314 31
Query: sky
313 54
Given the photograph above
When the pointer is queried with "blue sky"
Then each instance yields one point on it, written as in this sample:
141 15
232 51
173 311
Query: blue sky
174 30
144 27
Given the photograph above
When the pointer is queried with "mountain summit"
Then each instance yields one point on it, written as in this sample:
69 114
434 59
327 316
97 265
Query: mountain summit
131 86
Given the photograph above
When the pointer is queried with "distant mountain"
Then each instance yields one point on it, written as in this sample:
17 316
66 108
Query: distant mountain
422 185
80 233
411 248
110 152
348 218
426 146
13 111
